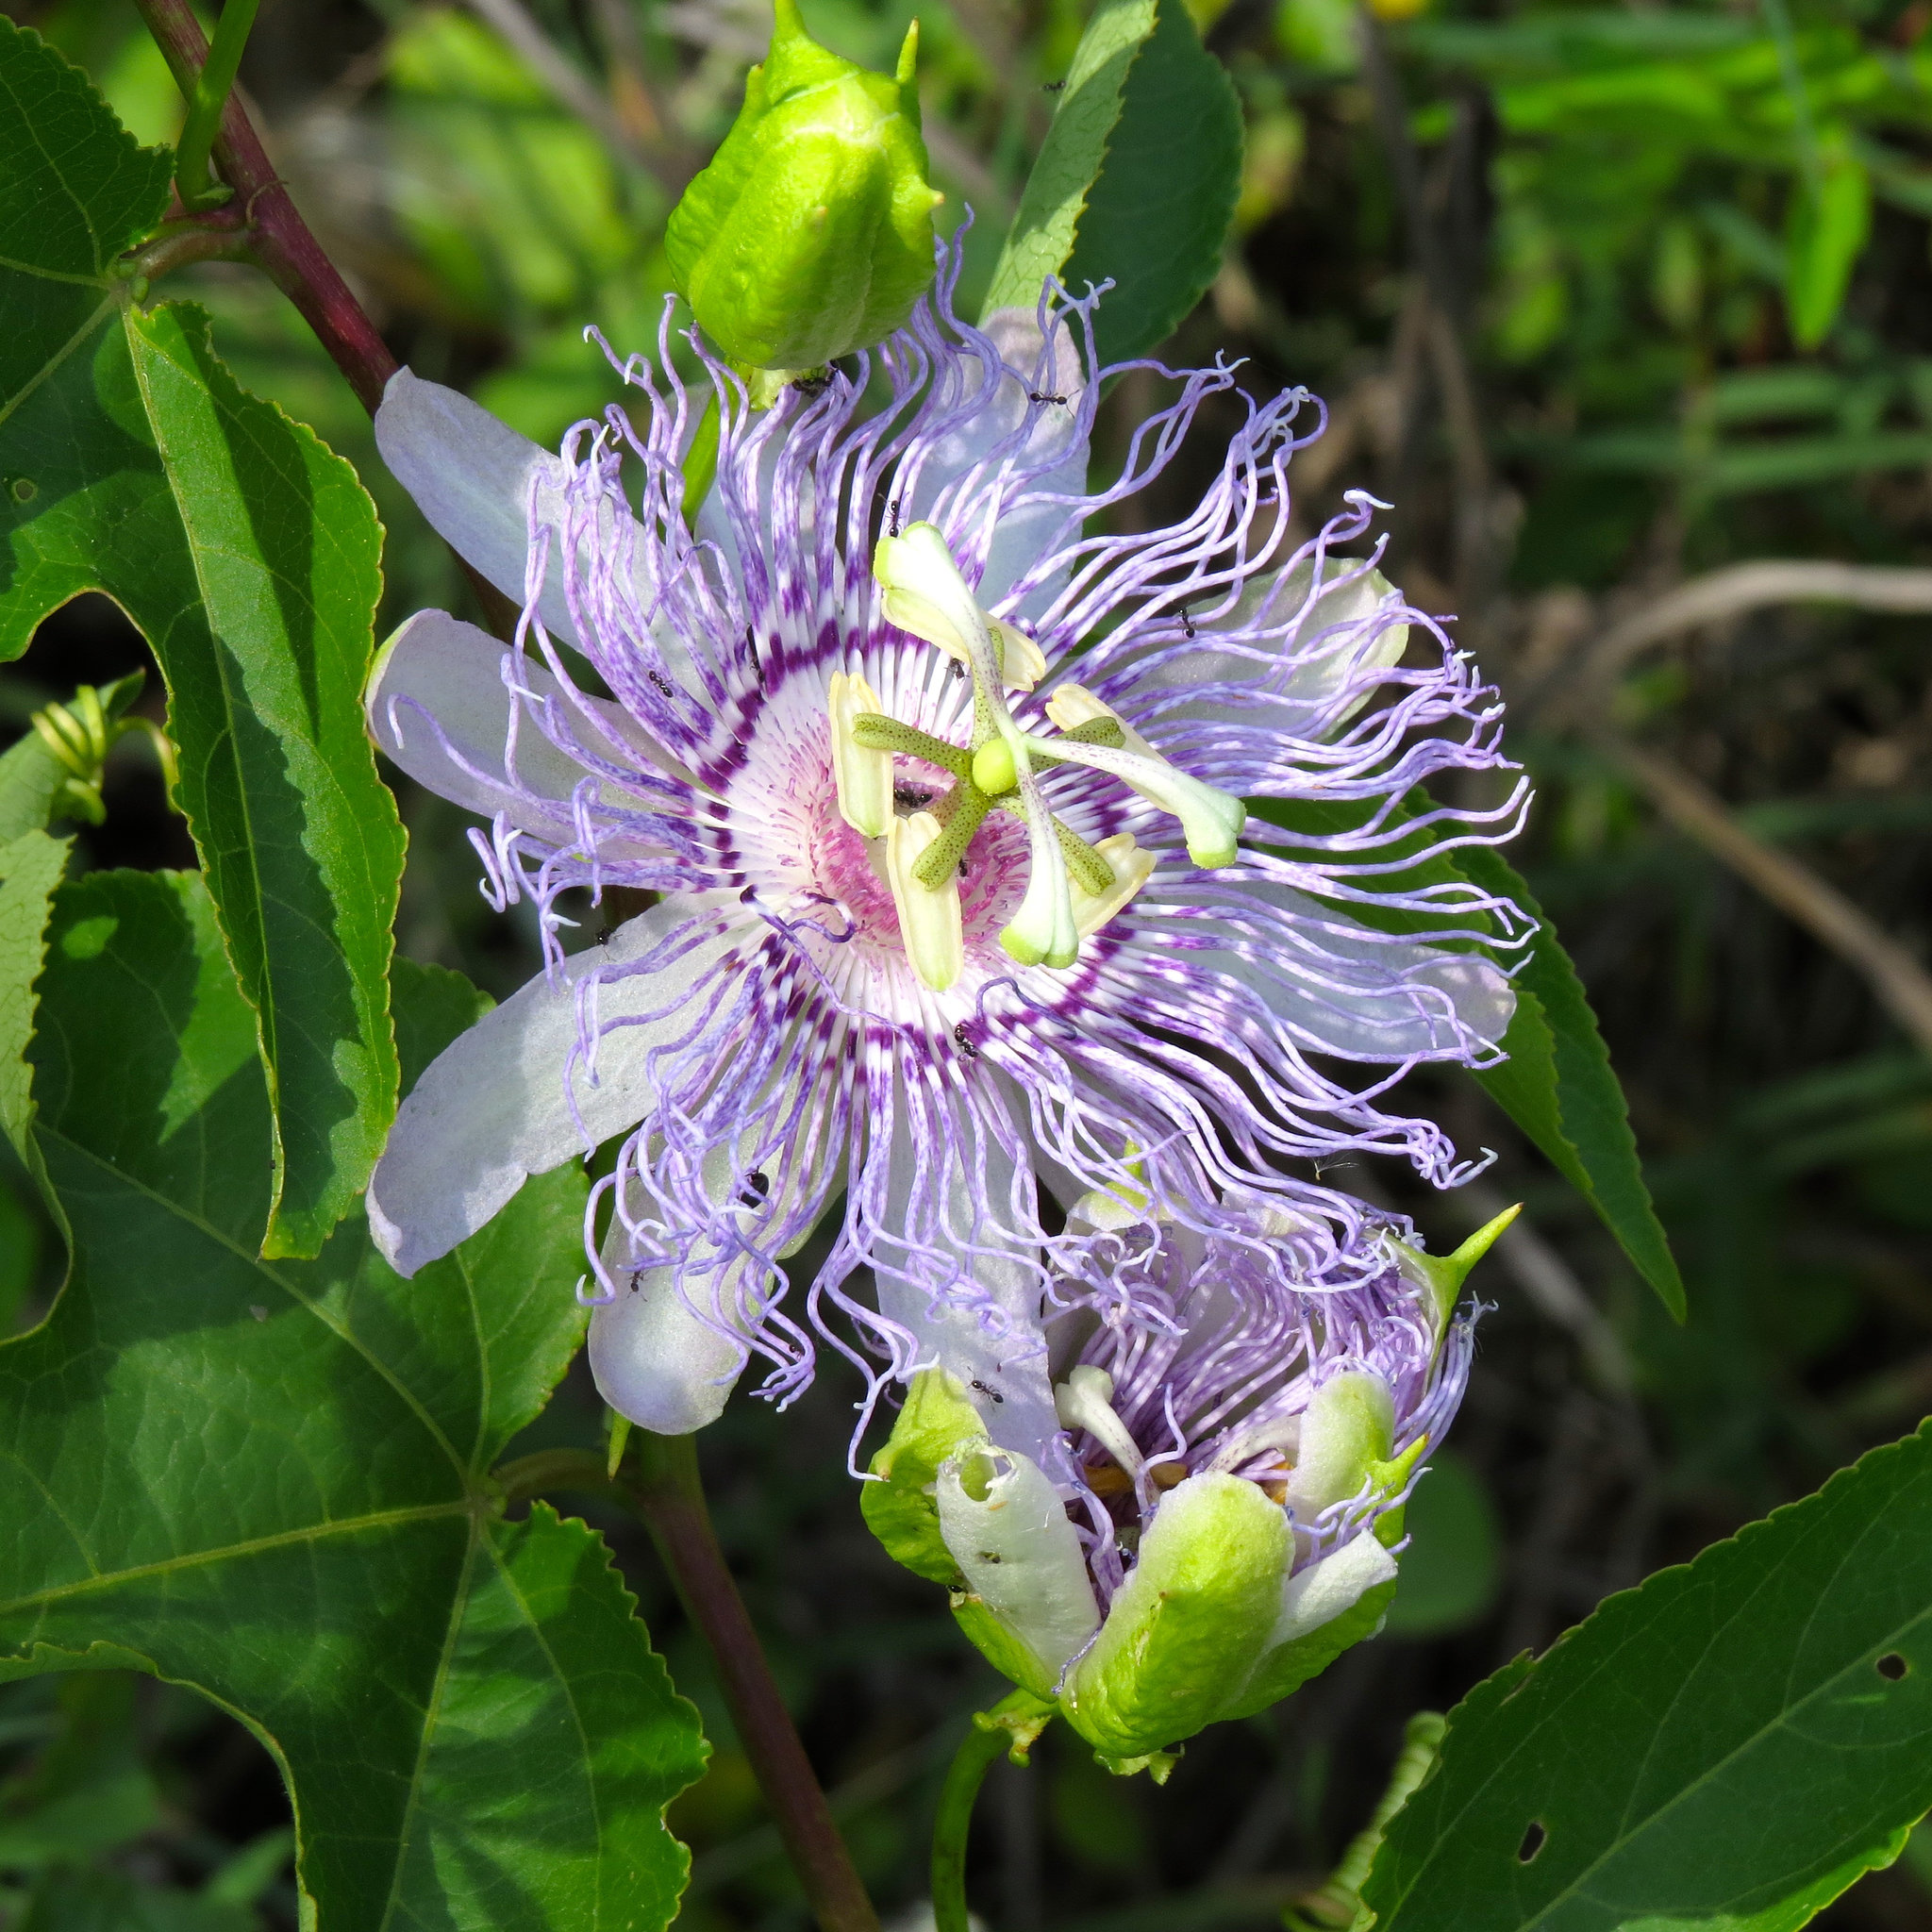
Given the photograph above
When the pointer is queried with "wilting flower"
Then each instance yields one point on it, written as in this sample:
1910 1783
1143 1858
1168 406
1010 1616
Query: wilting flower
957 883
1217 1516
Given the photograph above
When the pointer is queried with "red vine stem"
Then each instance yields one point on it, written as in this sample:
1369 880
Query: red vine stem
279 240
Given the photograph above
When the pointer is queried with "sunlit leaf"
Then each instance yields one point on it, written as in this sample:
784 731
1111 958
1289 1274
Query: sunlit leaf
270 1480
247 554
1830 218
1732 1744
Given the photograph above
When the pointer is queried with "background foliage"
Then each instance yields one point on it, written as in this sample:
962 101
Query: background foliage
1602 299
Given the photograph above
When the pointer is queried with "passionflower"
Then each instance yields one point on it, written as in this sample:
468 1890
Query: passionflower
984 847
1218 1512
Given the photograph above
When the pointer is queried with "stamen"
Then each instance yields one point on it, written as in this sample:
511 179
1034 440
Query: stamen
1090 873
960 812
1078 712
1129 868
862 774
874 731
1085 1401
930 925
1211 821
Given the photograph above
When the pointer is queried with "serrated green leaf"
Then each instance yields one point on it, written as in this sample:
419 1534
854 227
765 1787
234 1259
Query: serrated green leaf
30 868
1558 1088
1157 216
1758 1727
1557 1085
269 1480
1041 235
247 554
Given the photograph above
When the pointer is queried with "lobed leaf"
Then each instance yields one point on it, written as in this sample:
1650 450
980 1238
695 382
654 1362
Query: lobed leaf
270 1480
1758 1727
247 555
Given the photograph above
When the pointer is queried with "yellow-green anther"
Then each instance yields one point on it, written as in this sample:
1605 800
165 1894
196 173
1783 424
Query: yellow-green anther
993 768
1008 1530
1085 1401
1190 1622
810 233
1022 662
1442 1275
901 1508
926 596
1090 873
961 813
1124 1204
1211 821
877 732
1348 1424
1044 932
863 775
1084 718
1128 870
930 927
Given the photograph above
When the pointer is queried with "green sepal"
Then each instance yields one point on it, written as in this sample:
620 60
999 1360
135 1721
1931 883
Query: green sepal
1288 1666
1159 1765
902 1510
1007 1654
1387 1478
810 233
1441 1277
1190 1623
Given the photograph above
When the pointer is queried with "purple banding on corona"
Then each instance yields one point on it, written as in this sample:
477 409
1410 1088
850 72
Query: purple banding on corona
1219 1035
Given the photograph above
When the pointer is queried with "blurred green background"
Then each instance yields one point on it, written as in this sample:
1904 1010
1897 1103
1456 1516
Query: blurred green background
1605 300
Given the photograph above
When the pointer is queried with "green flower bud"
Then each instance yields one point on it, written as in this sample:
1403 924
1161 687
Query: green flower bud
1190 1624
902 1508
810 234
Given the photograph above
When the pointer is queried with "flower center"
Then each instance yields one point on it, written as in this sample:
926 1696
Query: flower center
1073 888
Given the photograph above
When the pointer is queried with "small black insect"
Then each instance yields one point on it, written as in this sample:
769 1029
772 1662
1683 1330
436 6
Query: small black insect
756 1188
892 518
662 683
964 868
963 1040
985 1391
636 1274
1186 621
816 384
751 638
911 796
956 669
1034 395
1054 87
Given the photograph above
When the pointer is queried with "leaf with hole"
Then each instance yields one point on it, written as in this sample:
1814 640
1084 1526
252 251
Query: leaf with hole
270 1480
1758 1727
247 555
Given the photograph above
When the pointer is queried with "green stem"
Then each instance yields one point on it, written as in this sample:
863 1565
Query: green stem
1011 1726
205 105
668 1494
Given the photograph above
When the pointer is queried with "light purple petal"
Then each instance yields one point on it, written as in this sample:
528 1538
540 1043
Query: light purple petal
498 1105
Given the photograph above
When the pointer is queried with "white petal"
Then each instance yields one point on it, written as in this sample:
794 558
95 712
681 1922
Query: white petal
1020 535
455 673
491 1111
1371 998
471 475
655 1361
1006 1374
1288 685
1323 1590
1018 1552
654 1357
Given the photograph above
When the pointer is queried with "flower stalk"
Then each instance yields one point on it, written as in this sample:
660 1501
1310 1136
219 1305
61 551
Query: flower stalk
663 1483
1010 1726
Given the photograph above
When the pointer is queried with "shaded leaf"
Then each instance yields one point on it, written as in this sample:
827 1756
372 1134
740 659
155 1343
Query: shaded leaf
1041 235
1157 218
1759 1727
247 555
30 868
269 1480
1558 1088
